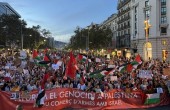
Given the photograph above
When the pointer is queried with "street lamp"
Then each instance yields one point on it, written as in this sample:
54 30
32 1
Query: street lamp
21 36
147 26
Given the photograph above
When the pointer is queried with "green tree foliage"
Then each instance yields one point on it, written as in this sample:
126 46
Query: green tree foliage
98 38
11 28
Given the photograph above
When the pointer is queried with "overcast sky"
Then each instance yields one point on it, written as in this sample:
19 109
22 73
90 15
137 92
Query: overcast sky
61 17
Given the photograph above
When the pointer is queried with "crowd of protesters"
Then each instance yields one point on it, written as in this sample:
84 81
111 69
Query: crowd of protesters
25 75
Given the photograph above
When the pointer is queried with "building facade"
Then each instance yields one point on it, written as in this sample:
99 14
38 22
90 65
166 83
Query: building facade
123 39
150 28
5 8
111 23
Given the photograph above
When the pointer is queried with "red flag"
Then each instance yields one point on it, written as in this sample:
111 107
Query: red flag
138 59
80 57
35 54
129 67
46 58
71 67
45 51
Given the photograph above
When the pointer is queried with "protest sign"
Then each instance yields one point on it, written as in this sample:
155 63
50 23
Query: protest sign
145 74
55 66
111 66
159 90
68 97
98 60
113 78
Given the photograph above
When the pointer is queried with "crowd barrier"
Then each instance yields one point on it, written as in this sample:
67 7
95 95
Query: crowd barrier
60 98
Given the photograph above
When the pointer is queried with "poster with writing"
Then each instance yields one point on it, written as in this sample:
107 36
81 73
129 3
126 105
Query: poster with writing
55 66
159 90
145 74
113 78
61 98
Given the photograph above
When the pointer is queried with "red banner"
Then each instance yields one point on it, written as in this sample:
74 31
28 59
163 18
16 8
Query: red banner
72 98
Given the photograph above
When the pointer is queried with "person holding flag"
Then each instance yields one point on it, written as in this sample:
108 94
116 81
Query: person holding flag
41 91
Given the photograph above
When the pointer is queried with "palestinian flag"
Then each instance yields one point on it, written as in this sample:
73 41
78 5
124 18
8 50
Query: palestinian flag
41 93
126 67
45 62
138 59
122 68
135 64
152 98
101 73
82 58
129 67
35 55
40 98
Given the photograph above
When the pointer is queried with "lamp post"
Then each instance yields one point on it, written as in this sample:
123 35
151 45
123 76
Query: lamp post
147 26
21 36
87 41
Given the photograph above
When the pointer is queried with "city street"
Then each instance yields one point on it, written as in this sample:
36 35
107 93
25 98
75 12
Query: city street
102 54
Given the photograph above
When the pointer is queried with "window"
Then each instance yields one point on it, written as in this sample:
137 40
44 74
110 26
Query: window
136 9
122 33
135 17
147 12
163 10
118 33
163 2
163 19
163 31
135 25
128 23
147 3
128 31
125 32
135 32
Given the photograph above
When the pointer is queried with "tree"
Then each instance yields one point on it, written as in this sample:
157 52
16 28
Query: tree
11 29
98 38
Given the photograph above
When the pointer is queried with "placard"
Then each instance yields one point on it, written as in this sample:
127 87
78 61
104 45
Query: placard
145 74
55 66
113 78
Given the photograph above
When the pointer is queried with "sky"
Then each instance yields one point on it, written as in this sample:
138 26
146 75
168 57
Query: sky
61 17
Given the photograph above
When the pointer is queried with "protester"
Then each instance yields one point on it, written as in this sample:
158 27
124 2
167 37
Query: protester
91 74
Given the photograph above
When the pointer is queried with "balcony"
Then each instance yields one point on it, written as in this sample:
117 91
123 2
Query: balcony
147 8
123 3
163 3
163 13
123 20
164 24
123 12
